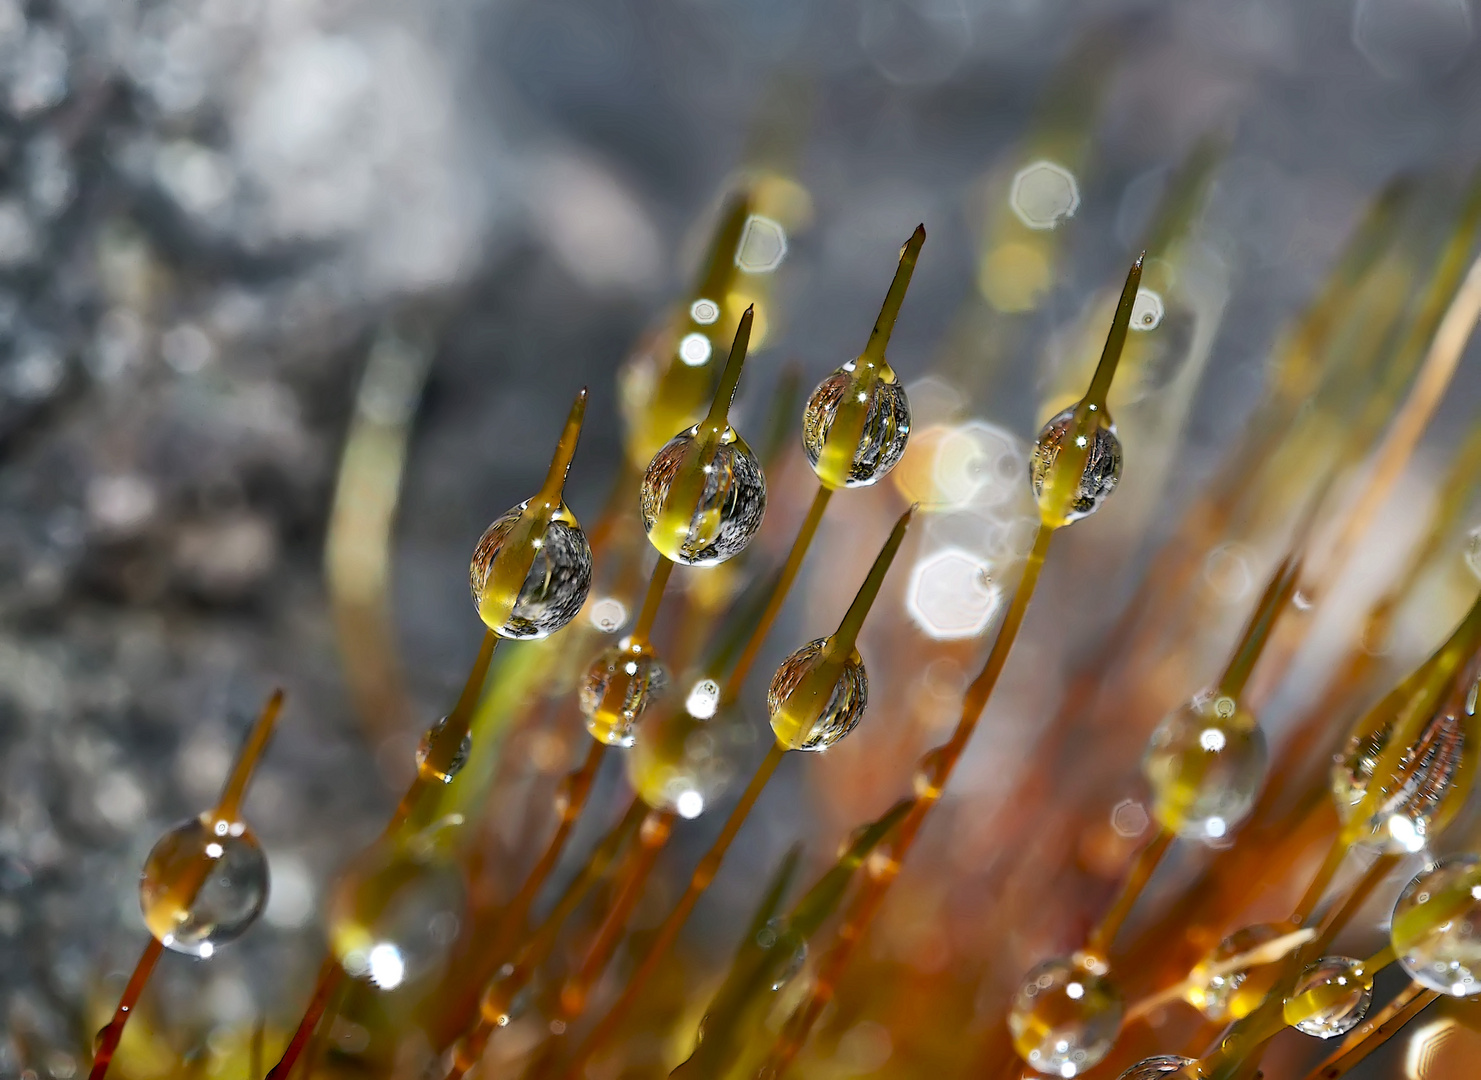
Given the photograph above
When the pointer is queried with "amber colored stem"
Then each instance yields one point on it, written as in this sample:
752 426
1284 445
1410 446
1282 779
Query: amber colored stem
1319 883
230 805
109 1037
444 747
1354 901
1377 1030
871 894
575 791
652 599
654 834
536 949
790 568
330 977
669 931
1104 935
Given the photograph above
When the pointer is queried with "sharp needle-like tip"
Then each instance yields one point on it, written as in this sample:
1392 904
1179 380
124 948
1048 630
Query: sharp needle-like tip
1139 260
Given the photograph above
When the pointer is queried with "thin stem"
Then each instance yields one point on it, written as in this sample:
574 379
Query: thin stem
1257 630
109 1037
1104 935
1110 357
565 452
871 894
1318 887
1377 1030
730 378
889 312
652 600
800 543
229 807
669 931
1354 901
499 995
331 975
654 834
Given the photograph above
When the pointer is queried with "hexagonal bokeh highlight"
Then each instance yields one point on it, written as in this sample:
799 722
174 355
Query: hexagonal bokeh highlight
1044 194
950 595
762 247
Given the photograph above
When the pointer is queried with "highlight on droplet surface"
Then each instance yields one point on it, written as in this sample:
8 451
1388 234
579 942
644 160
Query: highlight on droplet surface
763 246
1044 194
1147 310
951 595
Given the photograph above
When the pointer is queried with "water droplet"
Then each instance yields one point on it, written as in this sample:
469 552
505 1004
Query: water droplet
459 758
790 951
201 887
1044 194
930 773
619 685
1205 767
1330 998
1102 469
1233 995
808 715
1436 928
683 763
883 429
1065 1017
394 914
1147 310
731 504
1162 1066
553 591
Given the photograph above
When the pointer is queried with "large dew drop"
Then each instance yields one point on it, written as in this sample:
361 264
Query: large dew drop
204 883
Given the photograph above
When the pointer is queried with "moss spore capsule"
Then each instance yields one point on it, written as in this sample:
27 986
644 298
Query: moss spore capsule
531 569
204 883
619 685
1065 1016
1436 927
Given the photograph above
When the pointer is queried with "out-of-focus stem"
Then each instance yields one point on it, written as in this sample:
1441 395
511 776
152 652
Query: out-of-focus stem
109 1037
1375 1031
704 873
652 599
1104 935
871 894
1268 953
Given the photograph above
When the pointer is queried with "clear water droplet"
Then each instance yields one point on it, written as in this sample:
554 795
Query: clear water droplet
806 714
622 682
1330 998
394 914
1163 1067
731 505
1436 928
1102 469
203 886
1065 1017
1205 763
459 758
553 591
884 434
1233 995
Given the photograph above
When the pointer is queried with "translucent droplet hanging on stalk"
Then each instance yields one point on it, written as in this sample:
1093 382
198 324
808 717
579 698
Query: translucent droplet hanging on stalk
395 913
1410 761
1163 1067
1223 996
682 762
425 757
1065 1017
531 569
204 883
703 496
1330 998
619 685
1076 461
1205 763
819 693
1436 928
857 422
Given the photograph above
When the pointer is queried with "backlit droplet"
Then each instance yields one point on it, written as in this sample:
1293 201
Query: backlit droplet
930 773
1147 310
1102 469
1416 806
459 759
1065 1017
683 763
790 951
1436 928
1233 995
618 686
731 504
553 591
1330 998
804 721
1473 550
1044 194
394 915
883 429
1205 763
1163 1067
204 883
